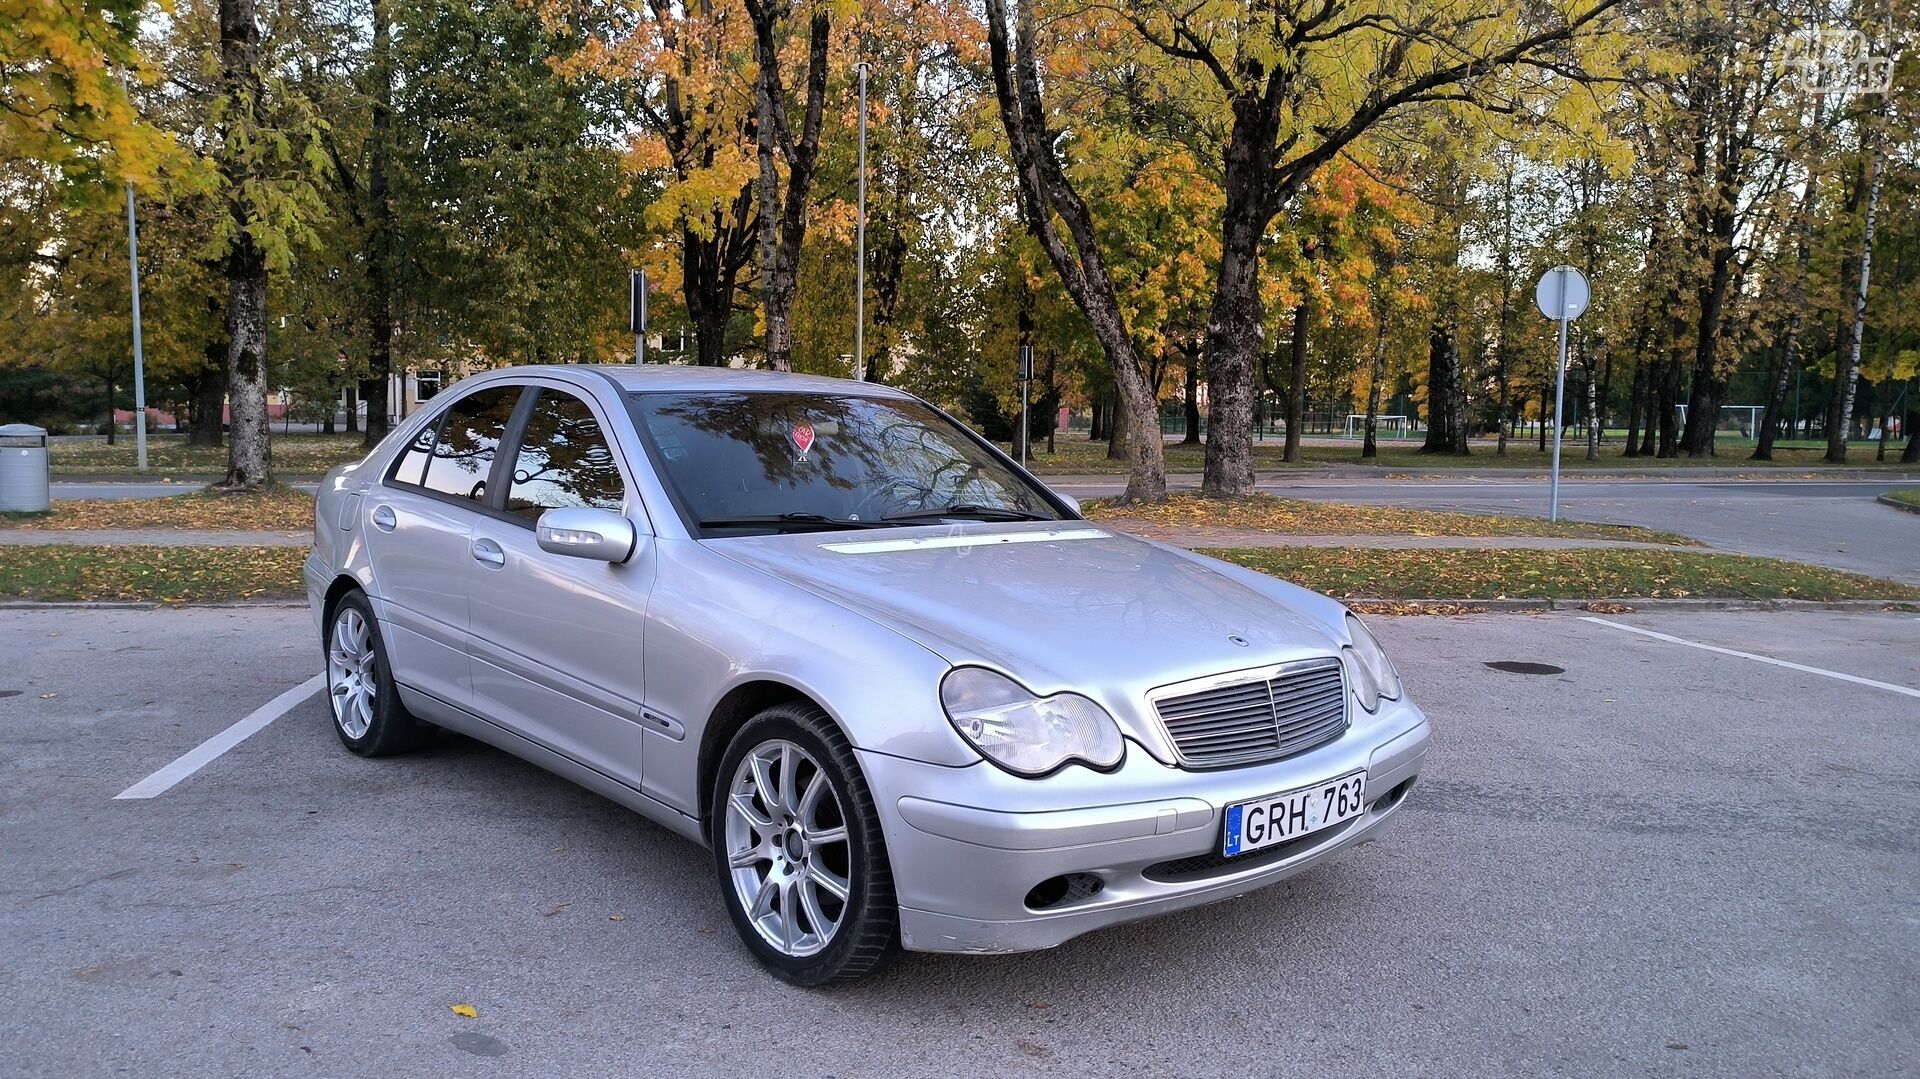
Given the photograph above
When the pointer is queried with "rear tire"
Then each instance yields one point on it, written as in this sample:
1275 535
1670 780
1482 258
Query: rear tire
799 852
367 713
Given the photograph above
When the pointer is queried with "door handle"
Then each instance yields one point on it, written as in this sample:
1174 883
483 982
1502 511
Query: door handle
488 552
383 518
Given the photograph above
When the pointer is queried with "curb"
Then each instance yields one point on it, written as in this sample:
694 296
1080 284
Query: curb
151 605
1630 605
1906 507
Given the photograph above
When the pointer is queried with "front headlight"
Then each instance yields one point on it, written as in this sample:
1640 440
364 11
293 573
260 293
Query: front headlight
1025 734
1374 677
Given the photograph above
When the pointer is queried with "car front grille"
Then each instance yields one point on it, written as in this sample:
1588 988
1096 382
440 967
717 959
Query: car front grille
1286 712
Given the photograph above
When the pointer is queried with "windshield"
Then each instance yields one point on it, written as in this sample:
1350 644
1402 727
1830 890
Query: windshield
741 463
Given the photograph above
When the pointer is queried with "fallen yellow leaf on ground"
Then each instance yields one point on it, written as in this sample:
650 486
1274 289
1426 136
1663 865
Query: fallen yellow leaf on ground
466 1010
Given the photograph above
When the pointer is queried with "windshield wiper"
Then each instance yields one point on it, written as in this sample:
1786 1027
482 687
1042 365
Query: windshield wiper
962 509
815 521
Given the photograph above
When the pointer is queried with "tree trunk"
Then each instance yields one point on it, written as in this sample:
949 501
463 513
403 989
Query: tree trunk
1044 194
1445 404
245 263
1910 426
1669 400
112 427
373 387
1593 406
1051 401
1703 403
209 398
1236 335
1777 388
1636 401
1297 383
1370 447
353 408
249 456
783 220
1193 403
1847 382
1118 425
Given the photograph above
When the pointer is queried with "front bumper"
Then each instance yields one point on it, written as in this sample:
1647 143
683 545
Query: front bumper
968 845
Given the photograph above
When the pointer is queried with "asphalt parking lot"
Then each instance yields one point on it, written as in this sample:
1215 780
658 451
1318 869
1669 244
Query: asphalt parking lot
1663 860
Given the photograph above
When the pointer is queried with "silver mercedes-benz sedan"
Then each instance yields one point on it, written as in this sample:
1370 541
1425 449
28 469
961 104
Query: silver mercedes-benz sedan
904 692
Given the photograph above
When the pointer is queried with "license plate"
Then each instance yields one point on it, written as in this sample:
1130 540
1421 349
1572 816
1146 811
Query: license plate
1276 818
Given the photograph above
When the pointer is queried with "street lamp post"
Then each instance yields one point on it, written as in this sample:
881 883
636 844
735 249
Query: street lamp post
139 355
860 245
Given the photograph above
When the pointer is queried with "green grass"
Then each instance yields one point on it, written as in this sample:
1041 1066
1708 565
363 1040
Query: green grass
1368 573
59 573
1906 496
168 455
1074 455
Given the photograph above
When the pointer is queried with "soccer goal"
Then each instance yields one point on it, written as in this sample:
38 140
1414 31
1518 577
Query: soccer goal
1397 426
1742 419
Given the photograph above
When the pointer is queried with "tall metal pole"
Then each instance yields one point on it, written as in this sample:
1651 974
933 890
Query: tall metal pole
637 313
1559 391
860 246
139 354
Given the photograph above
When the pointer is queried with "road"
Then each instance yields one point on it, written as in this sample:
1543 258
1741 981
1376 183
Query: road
1834 523
1663 861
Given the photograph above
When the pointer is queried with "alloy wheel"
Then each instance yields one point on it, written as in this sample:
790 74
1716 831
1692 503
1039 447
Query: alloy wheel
787 850
351 677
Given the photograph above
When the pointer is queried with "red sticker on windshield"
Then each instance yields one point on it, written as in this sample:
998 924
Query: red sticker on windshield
803 436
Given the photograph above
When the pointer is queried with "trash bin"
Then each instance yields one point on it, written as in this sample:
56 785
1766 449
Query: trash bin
23 469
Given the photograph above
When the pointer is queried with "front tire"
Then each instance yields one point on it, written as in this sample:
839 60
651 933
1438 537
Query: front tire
798 848
367 713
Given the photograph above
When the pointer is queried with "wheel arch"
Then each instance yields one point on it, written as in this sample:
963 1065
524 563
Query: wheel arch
730 713
341 585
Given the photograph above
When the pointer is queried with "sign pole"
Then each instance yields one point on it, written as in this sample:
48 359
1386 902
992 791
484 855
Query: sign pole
637 313
1559 392
1561 296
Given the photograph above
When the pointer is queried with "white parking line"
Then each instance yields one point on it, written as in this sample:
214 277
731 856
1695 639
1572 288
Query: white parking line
1855 679
206 752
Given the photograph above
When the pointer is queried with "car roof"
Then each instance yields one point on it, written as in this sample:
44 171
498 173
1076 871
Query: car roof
684 377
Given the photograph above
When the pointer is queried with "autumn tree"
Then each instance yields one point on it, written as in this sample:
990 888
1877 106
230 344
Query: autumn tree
1044 193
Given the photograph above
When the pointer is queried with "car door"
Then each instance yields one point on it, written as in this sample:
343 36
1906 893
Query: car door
555 640
419 539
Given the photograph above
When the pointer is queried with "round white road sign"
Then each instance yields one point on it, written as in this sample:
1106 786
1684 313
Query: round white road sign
1562 293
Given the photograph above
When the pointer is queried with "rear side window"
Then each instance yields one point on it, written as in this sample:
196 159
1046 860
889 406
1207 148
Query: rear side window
413 460
465 445
564 460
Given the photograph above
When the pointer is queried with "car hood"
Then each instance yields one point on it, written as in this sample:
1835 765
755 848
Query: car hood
1060 604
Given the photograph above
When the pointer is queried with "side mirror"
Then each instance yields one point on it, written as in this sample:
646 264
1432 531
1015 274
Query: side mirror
581 532
1072 502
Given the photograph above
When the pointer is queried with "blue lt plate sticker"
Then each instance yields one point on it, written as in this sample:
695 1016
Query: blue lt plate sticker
1233 831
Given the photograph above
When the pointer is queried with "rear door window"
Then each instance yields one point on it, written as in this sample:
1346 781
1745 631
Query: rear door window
467 441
